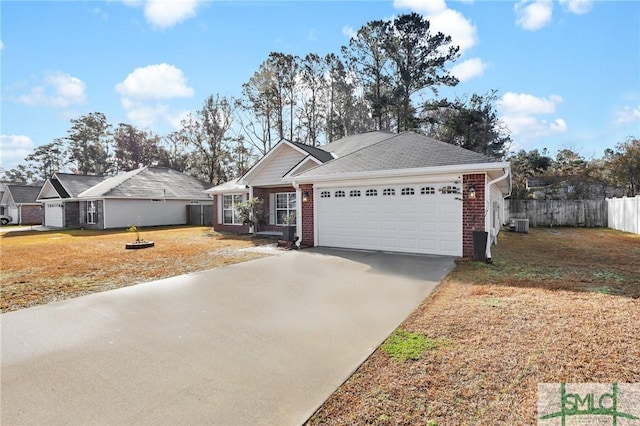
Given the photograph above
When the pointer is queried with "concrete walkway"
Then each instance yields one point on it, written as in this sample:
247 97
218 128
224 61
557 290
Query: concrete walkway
258 343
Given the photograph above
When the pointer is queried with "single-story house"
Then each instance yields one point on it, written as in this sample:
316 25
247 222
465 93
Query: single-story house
400 192
148 196
20 202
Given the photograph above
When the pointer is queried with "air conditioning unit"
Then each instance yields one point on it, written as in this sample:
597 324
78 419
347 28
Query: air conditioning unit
522 225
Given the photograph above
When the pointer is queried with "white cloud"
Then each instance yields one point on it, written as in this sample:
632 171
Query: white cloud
161 81
163 14
166 14
523 103
578 7
468 69
533 15
628 115
59 90
521 113
143 89
14 148
349 31
424 7
447 21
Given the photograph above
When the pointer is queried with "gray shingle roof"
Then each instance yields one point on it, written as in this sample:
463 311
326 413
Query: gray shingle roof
159 182
352 143
318 153
75 184
407 150
23 194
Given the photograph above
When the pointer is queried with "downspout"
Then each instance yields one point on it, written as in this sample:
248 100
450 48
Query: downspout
496 180
298 213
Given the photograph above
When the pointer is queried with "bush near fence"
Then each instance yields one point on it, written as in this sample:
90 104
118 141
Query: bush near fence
624 214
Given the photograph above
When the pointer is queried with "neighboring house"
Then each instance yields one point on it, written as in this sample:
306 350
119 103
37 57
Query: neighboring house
376 191
20 202
149 196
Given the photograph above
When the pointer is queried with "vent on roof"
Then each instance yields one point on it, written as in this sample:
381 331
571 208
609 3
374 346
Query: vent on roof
519 225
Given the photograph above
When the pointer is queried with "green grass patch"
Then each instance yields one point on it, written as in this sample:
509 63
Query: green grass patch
404 345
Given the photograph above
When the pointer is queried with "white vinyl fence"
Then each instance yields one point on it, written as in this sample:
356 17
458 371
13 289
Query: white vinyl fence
624 214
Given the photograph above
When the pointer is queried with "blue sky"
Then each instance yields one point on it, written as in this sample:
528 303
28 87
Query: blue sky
567 72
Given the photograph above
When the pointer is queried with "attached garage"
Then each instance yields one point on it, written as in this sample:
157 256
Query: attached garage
53 214
413 218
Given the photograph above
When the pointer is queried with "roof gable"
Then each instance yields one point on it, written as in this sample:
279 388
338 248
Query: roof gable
74 185
275 164
23 194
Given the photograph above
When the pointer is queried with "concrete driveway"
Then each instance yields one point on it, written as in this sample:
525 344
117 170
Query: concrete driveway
258 343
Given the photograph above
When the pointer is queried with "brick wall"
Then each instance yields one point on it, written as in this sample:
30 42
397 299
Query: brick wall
72 214
31 215
307 215
473 213
242 229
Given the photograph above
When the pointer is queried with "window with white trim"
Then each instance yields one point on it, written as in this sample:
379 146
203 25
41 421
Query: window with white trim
354 193
286 208
371 193
407 191
91 212
339 194
325 194
427 190
229 213
388 191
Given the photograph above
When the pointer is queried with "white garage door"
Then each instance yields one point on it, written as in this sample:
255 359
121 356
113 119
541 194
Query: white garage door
53 215
417 218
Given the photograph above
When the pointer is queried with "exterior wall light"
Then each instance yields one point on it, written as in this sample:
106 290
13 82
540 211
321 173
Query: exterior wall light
472 192
305 196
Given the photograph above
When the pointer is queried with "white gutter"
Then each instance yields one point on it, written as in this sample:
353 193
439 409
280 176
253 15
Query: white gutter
489 219
458 168
298 212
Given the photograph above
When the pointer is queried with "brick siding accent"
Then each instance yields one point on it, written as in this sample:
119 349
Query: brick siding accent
307 215
31 215
473 213
240 229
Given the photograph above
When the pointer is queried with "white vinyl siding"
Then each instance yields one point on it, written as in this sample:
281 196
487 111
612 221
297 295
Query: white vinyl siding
274 168
121 213
411 221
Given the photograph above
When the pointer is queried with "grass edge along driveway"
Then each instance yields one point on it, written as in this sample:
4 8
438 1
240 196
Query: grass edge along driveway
40 267
557 305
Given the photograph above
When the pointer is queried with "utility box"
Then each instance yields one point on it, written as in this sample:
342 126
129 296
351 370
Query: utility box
480 245
519 225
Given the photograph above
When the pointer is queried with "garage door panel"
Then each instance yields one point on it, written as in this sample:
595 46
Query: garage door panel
421 223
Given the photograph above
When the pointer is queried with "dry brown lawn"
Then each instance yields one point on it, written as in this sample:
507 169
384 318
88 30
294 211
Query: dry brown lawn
557 305
41 267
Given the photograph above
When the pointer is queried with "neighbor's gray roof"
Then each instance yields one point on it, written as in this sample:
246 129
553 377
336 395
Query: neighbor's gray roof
24 194
75 184
407 150
159 182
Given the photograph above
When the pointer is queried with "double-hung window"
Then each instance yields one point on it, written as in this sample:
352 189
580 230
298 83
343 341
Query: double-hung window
229 213
286 208
91 212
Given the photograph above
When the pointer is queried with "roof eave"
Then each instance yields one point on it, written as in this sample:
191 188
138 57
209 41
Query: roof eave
457 168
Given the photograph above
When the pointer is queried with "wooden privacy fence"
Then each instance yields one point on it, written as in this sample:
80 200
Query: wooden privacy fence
588 213
624 214
200 214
